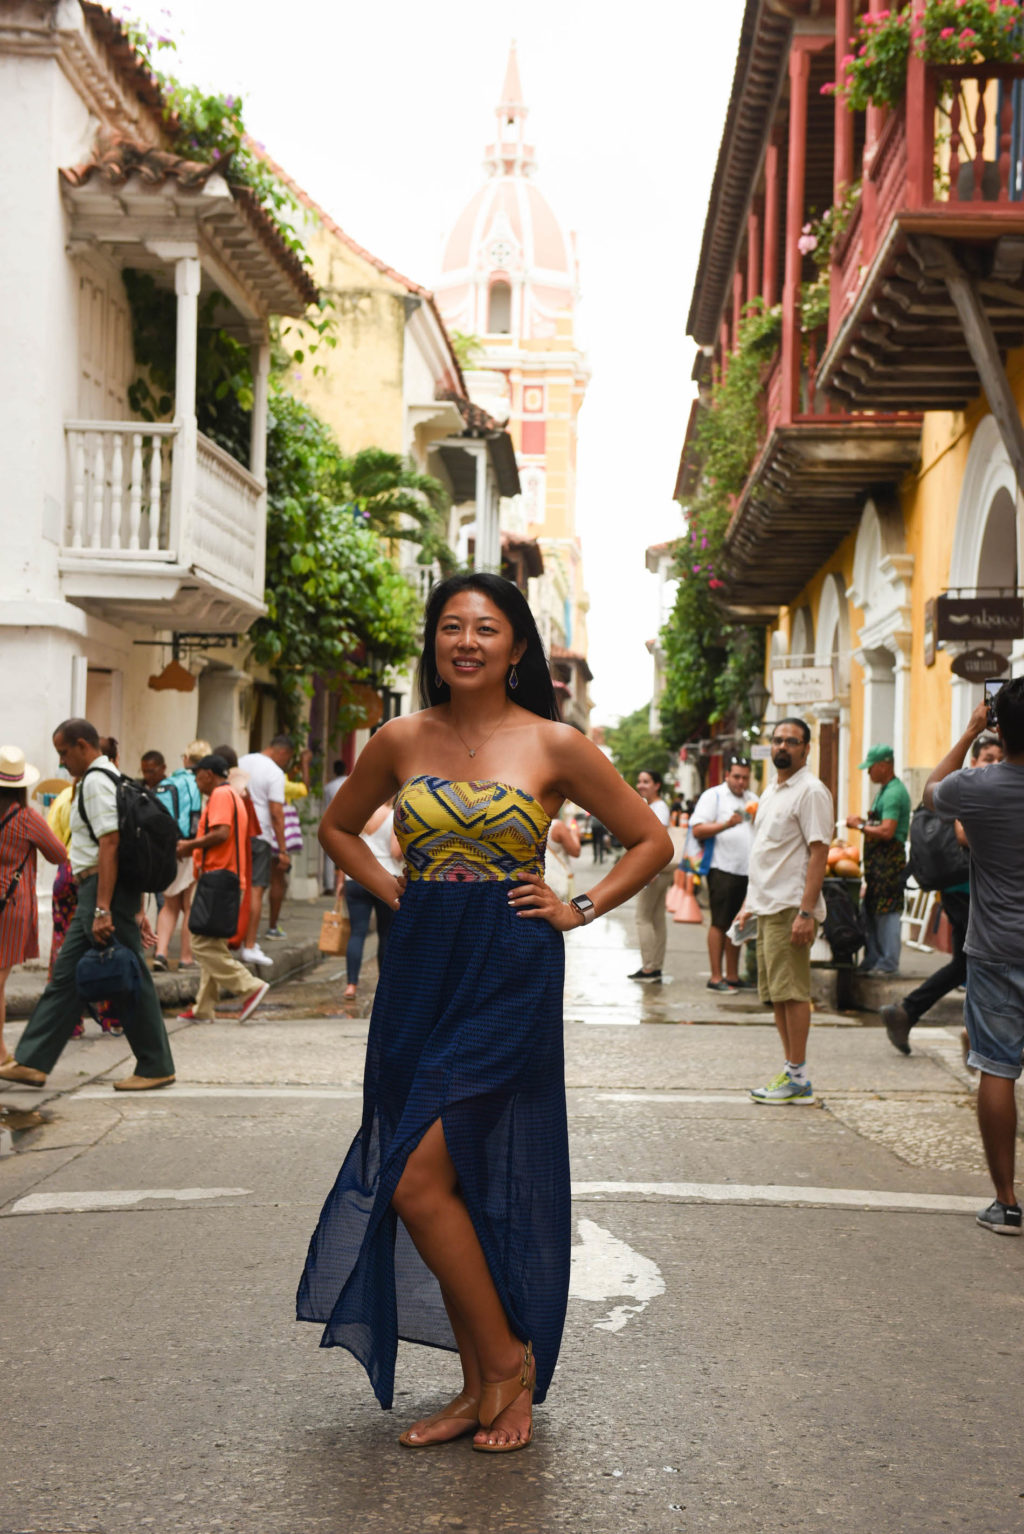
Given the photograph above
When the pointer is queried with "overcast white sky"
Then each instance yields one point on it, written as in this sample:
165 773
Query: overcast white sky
382 111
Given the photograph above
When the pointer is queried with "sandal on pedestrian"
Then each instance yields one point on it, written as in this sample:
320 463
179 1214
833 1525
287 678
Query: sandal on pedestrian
497 1397
463 1409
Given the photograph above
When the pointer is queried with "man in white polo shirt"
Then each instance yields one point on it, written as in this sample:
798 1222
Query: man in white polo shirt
105 909
795 822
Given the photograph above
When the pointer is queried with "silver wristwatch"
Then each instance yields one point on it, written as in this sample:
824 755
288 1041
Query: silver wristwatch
585 906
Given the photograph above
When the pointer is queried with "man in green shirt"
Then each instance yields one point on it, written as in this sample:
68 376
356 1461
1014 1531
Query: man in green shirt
885 831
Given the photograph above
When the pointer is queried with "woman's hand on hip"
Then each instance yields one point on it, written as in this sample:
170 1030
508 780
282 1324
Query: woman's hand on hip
535 898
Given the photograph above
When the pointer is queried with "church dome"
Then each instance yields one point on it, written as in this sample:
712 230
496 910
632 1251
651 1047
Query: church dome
507 266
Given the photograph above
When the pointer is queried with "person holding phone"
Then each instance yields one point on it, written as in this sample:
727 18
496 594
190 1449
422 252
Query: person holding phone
885 829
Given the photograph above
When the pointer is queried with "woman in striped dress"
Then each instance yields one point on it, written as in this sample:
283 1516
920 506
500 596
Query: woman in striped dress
23 832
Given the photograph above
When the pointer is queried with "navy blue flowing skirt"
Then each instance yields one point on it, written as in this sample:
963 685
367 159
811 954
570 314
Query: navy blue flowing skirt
466 1028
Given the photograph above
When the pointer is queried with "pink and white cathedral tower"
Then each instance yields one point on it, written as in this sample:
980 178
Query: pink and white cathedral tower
509 279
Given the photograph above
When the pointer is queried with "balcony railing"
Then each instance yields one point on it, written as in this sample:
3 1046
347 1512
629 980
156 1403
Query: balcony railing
161 498
945 156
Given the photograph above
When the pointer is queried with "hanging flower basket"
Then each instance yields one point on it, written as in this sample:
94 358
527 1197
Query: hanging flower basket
955 32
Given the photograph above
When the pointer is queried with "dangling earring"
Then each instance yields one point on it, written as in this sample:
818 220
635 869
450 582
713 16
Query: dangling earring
513 679
437 679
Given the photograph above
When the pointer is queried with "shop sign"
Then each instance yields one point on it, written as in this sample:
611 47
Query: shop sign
760 753
802 684
930 619
988 618
976 665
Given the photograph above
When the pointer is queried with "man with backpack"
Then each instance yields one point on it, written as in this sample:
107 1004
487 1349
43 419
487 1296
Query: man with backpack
108 907
723 825
990 806
940 860
178 793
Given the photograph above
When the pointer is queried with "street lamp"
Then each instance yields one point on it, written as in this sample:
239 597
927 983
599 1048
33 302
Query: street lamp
757 701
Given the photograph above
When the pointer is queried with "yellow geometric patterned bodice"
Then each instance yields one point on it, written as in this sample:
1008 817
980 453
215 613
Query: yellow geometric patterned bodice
463 832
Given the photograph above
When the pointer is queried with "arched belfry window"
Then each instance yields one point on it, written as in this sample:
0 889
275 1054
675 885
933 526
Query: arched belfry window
499 309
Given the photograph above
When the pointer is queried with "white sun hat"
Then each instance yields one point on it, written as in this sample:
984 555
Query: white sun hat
15 772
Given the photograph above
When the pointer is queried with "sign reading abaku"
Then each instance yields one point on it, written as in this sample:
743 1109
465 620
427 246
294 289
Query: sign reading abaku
979 618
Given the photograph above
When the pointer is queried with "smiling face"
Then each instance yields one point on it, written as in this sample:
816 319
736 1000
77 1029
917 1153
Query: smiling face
646 787
475 644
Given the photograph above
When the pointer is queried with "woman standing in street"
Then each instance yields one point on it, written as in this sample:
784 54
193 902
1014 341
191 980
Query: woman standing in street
23 833
650 908
460 1169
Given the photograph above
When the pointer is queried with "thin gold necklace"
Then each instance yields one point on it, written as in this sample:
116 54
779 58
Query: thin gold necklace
474 749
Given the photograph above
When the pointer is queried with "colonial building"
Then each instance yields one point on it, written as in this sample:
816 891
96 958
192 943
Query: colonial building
509 281
891 454
124 542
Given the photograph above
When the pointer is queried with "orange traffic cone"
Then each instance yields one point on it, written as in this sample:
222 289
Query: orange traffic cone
687 908
675 891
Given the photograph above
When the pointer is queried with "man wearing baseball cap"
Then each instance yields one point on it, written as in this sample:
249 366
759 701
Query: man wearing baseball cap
885 830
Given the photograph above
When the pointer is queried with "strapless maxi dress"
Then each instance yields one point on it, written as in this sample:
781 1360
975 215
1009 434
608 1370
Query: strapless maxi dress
466 1028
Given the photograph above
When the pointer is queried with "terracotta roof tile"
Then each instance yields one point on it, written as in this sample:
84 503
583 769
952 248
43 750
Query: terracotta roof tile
120 159
140 82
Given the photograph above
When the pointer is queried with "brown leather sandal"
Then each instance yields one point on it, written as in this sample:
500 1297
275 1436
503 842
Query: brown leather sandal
496 1397
465 1408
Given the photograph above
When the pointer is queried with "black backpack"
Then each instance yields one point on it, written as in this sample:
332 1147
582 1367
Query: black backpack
147 854
936 859
843 926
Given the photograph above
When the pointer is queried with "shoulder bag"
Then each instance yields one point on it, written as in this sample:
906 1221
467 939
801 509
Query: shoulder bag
12 888
217 897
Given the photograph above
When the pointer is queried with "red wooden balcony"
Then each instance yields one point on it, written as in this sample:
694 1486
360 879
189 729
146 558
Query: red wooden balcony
941 179
806 489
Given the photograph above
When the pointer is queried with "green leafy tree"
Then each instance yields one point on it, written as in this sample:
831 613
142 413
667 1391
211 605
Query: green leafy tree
634 748
336 606
399 502
710 659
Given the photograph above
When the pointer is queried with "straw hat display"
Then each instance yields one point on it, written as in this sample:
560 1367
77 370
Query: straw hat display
15 772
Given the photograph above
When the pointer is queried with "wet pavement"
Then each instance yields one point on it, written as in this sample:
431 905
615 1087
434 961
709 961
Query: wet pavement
780 1319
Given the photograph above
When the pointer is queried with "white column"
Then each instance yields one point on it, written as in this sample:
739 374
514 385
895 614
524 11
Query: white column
260 353
187 282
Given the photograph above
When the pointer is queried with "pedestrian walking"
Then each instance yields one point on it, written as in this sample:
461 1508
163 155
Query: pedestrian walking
63 903
295 789
106 908
467 1023
23 834
598 840
563 846
900 1017
990 806
266 770
361 903
795 821
651 929
217 847
331 882
885 830
724 816
239 781
178 793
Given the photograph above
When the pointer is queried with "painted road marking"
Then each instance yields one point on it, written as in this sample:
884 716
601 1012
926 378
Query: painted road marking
332 1094
739 1096
121 1198
765 1193
603 1268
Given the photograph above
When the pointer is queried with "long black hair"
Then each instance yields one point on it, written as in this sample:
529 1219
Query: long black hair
535 691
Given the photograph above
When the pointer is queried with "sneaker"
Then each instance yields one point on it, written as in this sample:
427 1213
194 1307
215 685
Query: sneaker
783 1089
897 1027
160 963
254 955
1000 1219
275 932
188 1016
727 987
645 974
252 1001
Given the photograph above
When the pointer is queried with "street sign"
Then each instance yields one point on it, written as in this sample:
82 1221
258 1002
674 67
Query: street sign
802 684
760 753
985 618
976 665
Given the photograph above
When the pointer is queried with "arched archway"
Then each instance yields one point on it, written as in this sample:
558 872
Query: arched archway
833 649
881 589
986 543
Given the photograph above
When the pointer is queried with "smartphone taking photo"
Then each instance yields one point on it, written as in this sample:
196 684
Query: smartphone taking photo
993 686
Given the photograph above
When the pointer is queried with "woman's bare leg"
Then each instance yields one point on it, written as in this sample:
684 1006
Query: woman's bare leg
428 1202
166 923
185 956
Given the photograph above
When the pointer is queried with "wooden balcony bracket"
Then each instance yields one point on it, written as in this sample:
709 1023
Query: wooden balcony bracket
937 259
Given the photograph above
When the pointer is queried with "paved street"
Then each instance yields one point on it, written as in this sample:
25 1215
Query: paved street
781 1319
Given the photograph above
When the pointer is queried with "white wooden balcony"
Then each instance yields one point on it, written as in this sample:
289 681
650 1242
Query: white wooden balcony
161 526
